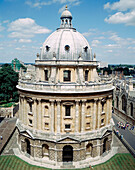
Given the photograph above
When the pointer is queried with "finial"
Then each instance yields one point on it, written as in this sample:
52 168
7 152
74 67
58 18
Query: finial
66 7
37 54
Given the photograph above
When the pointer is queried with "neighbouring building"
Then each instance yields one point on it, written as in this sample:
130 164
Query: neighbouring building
124 99
17 65
65 113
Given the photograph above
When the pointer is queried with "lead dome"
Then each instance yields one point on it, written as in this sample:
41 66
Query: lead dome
66 43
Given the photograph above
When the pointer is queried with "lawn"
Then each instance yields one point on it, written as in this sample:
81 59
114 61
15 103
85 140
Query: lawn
117 162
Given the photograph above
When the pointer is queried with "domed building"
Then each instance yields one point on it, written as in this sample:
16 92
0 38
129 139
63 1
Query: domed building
65 107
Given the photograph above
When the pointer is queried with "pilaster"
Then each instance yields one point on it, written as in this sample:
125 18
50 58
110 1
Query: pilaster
83 116
77 116
58 115
99 114
94 113
52 115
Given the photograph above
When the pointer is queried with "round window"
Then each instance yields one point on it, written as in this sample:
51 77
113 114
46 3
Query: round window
67 47
47 48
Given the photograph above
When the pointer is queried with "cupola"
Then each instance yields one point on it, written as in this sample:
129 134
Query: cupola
66 18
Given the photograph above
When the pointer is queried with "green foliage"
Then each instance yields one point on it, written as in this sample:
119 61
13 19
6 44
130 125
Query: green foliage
99 70
7 104
8 82
108 70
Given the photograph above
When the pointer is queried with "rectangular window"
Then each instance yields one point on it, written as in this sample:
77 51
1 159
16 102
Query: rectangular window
67 126
30 104
67 75
88 125
46 75
67 110
102 121
47 125
86 75
30 121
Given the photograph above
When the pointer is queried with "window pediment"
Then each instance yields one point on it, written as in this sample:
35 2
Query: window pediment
68 104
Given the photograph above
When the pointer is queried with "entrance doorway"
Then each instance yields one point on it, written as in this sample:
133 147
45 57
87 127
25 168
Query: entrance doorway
67 153
28 150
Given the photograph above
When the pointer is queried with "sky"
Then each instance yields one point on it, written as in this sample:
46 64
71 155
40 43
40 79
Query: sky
108 25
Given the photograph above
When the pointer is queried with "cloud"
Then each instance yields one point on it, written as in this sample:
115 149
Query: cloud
95 43
25 41
90 32
25 28
1 28
40 3
6 21
112 46
110 51
122 5
125 12
119 17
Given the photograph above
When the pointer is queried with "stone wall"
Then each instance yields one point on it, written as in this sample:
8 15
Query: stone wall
55 150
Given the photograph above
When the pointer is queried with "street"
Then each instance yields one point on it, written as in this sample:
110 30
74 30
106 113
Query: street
128 135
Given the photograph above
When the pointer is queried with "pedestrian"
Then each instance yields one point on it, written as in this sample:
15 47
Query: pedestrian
1 137
132 128
90 167
121 136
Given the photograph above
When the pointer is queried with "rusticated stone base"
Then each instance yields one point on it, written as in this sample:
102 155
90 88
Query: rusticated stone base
76 150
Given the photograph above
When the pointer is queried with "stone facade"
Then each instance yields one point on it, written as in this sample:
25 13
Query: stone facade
65 107
124 99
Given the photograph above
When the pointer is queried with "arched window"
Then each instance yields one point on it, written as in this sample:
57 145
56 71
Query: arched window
45 150
124 103
46 111
28 148
131 108
89 149
117 102
30 106
103 107
88 110
105 145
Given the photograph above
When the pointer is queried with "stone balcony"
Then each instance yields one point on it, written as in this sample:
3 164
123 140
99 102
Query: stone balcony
86 87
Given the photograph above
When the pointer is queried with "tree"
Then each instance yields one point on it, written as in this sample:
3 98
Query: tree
8 82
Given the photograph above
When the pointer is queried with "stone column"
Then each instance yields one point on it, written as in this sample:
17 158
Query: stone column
25 112
83 116
98 148
20 108
108 110
35 113
52 116
58 116
77 117
94 114
39 114
99 114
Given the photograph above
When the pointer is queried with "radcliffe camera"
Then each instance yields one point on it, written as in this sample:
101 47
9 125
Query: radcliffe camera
67 93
